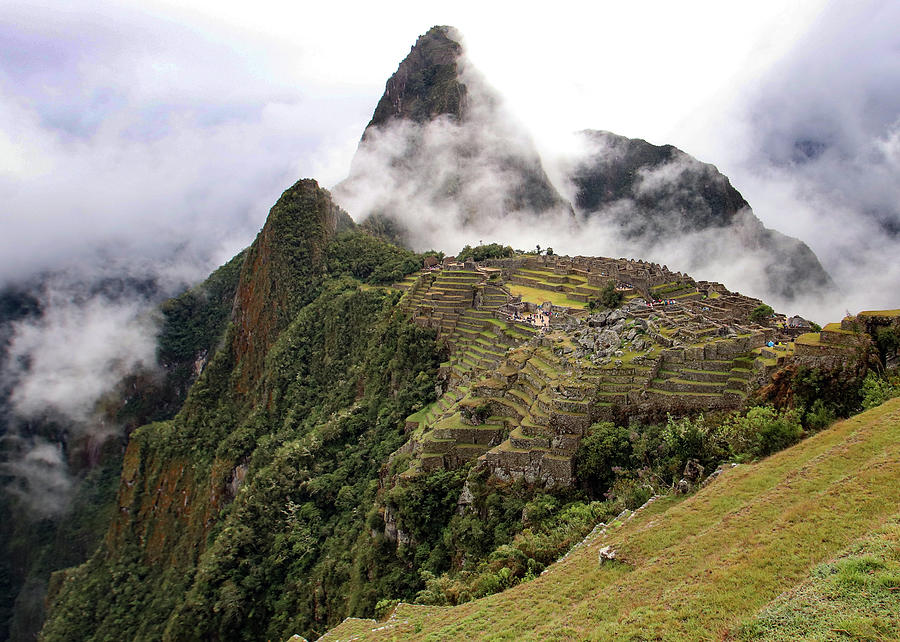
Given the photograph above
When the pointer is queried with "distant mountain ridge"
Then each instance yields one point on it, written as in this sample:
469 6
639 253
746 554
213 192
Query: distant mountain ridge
670 192
440 160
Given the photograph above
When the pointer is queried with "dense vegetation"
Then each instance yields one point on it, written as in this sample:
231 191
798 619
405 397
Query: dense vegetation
326 413
37 543
609 298
369 259
793 547
484 252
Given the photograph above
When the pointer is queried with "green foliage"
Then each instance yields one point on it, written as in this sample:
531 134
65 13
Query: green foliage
482 252
609 297
627 465
819 416
762 313
764 430
876 390
326 413
549 526
195 321
604 448
369 259
835 390
887 341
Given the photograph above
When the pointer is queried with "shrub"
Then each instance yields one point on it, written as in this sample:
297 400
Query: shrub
819 417
875 391
764 430
761 313
482 252
605 447
609 297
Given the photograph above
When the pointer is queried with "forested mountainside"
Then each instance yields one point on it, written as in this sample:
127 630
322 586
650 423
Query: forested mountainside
369 431
37 541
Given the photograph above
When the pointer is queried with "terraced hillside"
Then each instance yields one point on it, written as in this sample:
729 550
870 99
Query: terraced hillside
531 368
750 556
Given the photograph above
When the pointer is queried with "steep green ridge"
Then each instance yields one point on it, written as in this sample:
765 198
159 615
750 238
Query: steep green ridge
698 568
35 546
281 271
339 369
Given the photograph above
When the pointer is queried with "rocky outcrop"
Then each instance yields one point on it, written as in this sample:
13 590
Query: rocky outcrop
426 84
654 194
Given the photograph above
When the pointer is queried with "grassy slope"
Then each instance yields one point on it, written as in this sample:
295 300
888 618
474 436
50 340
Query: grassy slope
538 296
698 568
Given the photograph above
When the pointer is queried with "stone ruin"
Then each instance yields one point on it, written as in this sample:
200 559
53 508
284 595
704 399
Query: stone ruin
517 399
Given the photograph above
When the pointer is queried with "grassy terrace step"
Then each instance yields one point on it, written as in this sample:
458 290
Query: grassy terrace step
533 429
526 388
705 384
434 446
511 405
520 440
668 393
704 375
520 397
468 452
423 415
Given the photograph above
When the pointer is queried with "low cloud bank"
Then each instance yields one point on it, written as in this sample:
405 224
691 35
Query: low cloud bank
58 365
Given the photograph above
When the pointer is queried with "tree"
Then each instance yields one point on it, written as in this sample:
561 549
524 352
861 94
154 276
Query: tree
761 313
549 251
609 297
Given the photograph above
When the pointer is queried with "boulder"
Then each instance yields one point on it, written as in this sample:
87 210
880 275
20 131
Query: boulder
606 554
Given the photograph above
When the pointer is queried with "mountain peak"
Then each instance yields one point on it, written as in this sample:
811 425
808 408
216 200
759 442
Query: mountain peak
280 269
426 84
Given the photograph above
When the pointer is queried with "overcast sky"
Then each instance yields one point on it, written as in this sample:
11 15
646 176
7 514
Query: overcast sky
145 127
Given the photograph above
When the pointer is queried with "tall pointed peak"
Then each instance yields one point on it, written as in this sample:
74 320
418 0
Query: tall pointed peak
427 82
281 269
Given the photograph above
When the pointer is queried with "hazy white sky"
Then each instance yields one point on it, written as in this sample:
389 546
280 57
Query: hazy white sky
641 69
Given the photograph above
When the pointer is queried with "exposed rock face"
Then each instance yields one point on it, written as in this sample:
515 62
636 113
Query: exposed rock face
288 250
655 195
426 85
440 158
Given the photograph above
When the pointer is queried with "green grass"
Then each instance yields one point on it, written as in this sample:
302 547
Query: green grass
760 541
809 339
538 296
854 596
879 313
836 327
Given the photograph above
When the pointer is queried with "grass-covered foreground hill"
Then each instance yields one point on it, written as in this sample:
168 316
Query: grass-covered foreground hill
802 545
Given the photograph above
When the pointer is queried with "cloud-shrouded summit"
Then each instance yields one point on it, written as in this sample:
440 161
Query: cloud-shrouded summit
442 163
667 205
